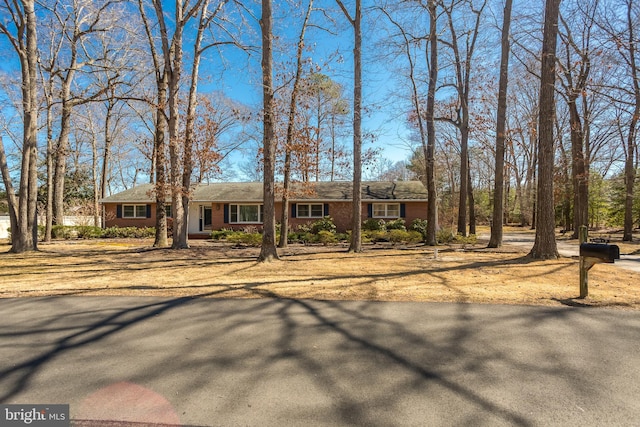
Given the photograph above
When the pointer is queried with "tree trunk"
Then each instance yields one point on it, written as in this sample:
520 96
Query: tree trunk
284 223
629 164
472 204
464 182
579 174
545 246
161 237
432 206
268 251
356 210
495 240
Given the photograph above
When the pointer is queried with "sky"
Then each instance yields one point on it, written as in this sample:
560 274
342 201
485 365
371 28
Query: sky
240 79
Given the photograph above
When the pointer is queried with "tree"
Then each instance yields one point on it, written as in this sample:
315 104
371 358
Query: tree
20 30
356 222
288 144
621 30
495 241
575 67
463 61
268 251
429 150
545 246
159 134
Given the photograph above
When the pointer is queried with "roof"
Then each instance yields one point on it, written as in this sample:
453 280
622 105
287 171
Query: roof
312 191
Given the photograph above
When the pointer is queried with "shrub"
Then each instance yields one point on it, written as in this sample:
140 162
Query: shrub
89 232
343 237
129 232
324 224
415 237
221 234
376 236
241 238
60 232
374 225
419 225
396 224
469 240
445 235
326 237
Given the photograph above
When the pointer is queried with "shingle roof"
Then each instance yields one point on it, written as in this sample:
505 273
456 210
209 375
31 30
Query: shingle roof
252 192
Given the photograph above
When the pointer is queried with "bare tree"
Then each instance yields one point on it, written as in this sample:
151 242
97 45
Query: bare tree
356 222
293 105
495 241
20 30
575 67
620 24
545 246
463 60
268 251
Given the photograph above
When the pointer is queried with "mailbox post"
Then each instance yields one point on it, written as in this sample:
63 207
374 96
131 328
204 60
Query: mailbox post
591 254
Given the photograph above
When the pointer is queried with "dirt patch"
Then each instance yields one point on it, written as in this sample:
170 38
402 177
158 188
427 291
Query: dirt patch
380 273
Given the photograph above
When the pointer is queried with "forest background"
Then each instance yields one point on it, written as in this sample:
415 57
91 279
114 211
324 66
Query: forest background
104 69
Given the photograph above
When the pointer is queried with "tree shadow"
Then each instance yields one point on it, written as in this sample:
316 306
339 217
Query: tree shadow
365 359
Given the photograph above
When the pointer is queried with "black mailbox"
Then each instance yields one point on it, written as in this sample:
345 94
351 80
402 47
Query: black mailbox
603 252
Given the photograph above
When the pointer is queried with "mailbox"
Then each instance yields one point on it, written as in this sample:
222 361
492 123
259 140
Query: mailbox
602 252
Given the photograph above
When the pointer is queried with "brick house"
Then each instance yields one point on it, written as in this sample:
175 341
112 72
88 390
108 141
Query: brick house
238 205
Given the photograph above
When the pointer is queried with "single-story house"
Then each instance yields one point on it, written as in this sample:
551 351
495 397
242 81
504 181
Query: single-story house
238 205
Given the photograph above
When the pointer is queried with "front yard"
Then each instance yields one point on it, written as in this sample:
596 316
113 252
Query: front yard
382 272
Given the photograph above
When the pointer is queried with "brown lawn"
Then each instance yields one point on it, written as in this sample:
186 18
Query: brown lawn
380 273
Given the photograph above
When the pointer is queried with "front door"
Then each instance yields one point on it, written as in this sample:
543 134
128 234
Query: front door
205 217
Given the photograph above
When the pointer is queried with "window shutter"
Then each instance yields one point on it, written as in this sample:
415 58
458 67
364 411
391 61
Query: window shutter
118 211
294 210
148 211
326 209
226 213
370 210
403 210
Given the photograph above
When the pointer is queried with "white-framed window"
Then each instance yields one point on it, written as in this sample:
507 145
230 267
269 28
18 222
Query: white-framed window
386 210
134 211
311 210
239 214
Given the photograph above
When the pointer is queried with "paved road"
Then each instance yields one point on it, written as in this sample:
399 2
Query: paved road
567 248
204 362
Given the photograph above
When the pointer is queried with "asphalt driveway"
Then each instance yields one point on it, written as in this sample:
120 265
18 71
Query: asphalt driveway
277 362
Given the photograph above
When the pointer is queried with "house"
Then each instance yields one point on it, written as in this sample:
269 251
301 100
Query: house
238 205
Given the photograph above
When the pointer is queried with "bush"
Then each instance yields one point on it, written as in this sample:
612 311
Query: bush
375 236
419 225
445 235
89 232
374 225
324 224
469 240
326 237
221 234
398 236
129 232
241 238
396 224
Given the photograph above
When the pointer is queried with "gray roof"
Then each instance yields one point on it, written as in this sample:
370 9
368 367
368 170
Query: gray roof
315 191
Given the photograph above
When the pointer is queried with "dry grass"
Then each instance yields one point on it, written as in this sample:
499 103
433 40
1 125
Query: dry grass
121 267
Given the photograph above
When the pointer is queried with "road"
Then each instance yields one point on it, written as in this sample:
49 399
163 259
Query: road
567 248
287 362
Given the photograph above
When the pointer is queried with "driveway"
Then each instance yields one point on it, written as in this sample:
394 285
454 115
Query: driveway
566 248
287 362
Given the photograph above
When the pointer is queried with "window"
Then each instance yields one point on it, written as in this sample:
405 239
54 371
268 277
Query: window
245 213
134 211
167 209
386 210
310 211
